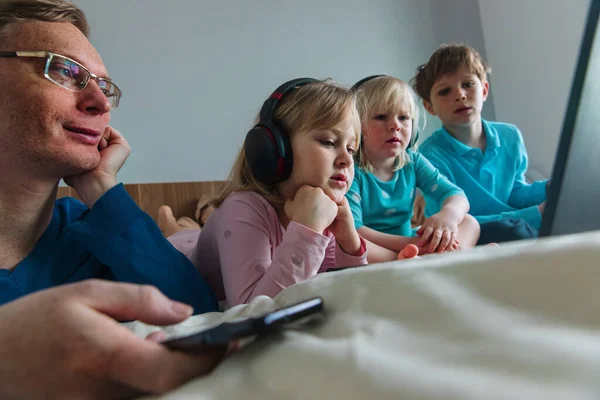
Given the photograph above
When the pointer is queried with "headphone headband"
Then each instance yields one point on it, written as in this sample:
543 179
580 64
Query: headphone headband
268 109
363 81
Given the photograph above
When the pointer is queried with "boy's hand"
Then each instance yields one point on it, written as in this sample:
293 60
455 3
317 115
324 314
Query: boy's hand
542 207
91 185
440 232
344 230
312 208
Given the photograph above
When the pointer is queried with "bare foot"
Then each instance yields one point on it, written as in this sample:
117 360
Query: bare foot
410 251
166 221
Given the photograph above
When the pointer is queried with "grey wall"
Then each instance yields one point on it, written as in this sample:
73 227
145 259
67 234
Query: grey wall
195 72
533 47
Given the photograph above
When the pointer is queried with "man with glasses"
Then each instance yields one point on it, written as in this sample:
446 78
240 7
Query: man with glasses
54 124
55 105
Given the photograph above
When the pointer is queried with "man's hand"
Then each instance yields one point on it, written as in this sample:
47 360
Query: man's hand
91 185
64 343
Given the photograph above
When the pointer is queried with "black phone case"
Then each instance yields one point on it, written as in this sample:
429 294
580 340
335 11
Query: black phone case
231 331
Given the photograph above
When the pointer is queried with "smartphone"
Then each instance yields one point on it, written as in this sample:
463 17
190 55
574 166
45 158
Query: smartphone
248 329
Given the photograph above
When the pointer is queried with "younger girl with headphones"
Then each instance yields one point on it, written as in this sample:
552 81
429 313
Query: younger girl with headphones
284 216
390 169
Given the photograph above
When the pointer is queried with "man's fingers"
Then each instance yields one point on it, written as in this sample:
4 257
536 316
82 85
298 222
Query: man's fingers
102 144
152 368
157 336
127 302
111 134
114 137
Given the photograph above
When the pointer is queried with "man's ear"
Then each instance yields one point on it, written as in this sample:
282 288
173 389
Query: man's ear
429 107
486 89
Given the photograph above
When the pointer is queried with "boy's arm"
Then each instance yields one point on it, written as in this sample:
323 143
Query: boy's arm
531 213
127 241
525 194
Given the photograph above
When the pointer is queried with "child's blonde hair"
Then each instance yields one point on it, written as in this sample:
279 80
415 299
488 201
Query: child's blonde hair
320 105
447 60
385 94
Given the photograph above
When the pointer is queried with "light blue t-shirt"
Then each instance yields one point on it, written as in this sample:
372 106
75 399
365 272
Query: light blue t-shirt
494 181
388 206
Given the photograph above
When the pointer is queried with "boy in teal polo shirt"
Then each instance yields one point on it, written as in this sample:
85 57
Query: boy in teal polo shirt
487 160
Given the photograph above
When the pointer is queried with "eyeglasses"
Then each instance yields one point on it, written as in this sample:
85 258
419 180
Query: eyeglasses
70 74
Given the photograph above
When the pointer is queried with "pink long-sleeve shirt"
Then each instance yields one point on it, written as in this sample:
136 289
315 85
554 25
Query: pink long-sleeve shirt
244 251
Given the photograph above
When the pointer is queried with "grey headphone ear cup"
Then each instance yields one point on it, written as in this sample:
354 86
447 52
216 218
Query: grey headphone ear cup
414 136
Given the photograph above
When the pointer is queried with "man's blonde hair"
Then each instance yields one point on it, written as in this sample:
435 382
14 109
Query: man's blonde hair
316 106
447 60
13 12
382 95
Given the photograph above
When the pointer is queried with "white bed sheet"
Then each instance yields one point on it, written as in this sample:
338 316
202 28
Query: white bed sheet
520 321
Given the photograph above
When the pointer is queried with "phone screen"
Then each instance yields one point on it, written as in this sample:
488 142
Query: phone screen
248 328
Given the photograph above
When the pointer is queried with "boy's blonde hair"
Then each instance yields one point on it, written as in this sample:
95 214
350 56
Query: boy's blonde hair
385 94
447 60
13 12
316 106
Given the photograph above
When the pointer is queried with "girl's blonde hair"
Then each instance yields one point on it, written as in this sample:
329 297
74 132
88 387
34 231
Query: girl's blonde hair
320 105
382 95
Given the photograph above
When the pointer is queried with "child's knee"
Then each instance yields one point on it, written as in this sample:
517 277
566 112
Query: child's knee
470 225
469 231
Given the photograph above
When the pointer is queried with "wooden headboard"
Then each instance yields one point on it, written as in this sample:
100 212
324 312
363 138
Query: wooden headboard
182 197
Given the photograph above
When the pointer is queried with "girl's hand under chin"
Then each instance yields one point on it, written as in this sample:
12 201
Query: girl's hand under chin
312 208
344 230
